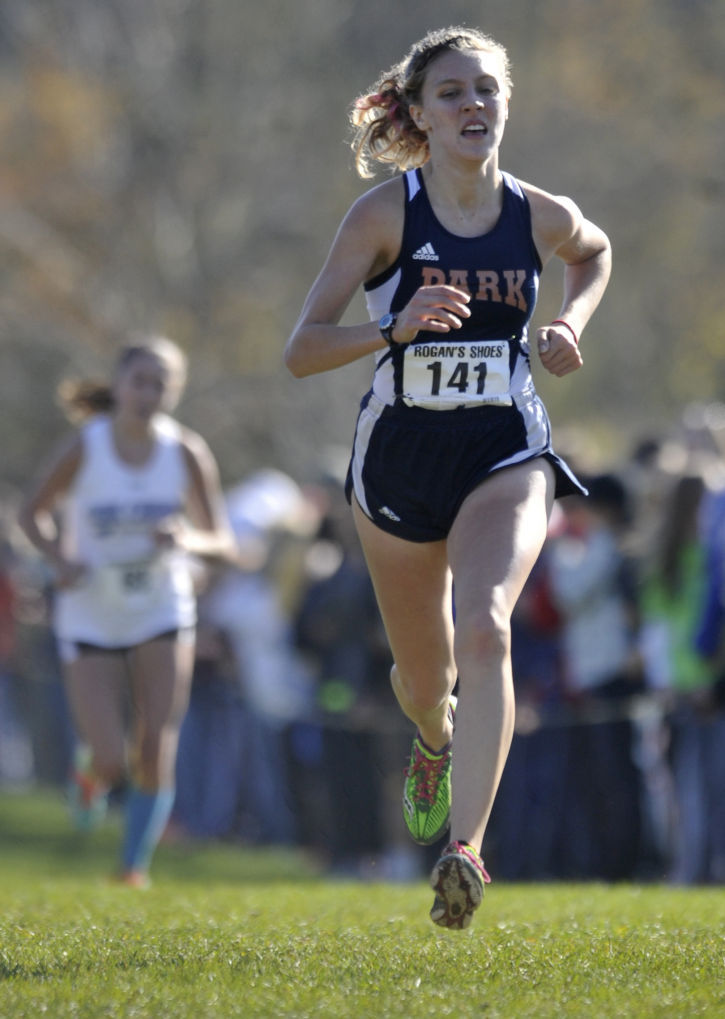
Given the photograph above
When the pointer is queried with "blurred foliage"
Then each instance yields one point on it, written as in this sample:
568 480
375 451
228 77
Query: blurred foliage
181 165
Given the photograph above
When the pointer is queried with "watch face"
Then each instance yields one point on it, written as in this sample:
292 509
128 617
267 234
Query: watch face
386 321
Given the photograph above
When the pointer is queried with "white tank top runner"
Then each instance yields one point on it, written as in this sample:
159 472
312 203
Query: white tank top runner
131 591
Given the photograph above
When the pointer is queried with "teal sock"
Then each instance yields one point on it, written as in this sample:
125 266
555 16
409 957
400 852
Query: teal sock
146 817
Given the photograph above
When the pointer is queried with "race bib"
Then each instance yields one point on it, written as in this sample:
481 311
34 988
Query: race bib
441 376
130 585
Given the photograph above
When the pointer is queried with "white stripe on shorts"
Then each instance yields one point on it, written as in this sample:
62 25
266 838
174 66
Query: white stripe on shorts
366 422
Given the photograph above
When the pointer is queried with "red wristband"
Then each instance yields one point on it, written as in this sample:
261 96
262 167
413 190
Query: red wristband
561 322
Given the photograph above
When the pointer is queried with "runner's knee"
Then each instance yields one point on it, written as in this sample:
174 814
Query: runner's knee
425 694
482 638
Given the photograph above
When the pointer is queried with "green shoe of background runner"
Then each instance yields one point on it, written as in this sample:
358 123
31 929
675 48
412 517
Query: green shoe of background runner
87 797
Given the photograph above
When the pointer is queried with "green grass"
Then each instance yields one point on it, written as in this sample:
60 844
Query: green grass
229 932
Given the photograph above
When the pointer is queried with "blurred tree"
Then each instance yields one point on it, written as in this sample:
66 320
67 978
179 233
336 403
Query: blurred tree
181 165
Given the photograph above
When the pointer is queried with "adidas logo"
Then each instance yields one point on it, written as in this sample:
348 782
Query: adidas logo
426 253
387 512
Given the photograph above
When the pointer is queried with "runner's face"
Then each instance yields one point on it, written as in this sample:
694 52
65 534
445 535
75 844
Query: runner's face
464 104
143 387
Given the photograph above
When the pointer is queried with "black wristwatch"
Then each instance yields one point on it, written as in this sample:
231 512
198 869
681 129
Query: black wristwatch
386 326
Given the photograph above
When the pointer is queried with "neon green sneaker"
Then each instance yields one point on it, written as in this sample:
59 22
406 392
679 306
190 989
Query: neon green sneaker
458 880
427 789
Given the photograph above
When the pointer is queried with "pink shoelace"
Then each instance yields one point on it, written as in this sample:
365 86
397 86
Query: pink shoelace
429 770
463 849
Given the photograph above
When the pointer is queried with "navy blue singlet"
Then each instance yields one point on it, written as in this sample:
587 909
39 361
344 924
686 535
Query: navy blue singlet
500 269
412 467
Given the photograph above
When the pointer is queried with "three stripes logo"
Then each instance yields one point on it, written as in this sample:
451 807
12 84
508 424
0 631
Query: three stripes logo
426 253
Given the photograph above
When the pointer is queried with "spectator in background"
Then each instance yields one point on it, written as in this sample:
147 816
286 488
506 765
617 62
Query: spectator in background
672 600
137 494
709 864
252 607
527 819
40 689
16 758
338 628
593 589
210 765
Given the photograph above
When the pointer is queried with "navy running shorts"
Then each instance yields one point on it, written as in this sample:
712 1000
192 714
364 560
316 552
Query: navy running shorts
411 468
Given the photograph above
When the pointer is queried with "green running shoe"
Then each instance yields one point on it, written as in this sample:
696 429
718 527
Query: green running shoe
427 789
458 880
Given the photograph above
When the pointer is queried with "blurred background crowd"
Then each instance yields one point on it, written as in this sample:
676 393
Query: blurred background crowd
293 738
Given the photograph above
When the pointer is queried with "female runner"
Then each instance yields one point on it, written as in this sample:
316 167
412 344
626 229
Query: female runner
137 495
452 475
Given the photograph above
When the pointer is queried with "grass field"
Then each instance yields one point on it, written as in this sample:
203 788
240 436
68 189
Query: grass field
229 932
